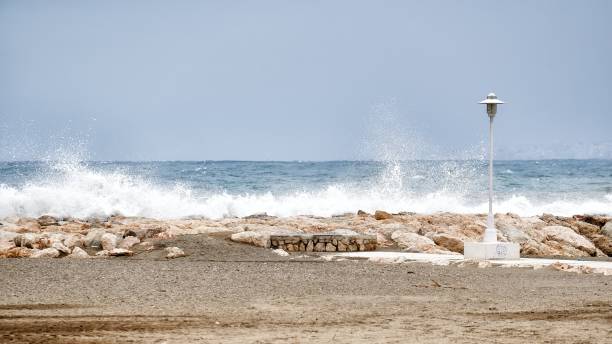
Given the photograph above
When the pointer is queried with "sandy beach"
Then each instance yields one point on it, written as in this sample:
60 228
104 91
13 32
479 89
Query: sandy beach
229 292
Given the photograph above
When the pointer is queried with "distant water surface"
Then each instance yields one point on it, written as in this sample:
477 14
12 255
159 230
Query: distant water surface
236 188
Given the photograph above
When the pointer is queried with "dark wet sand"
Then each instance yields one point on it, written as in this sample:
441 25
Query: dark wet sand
227 292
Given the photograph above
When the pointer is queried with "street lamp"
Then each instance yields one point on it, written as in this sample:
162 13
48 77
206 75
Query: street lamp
491 101
490 248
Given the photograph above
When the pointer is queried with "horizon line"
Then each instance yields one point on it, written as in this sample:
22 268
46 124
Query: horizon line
309 161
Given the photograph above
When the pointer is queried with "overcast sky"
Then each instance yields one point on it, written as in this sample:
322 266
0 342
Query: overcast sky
304 80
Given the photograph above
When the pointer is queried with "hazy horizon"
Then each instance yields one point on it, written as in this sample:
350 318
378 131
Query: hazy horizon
311 81
304 161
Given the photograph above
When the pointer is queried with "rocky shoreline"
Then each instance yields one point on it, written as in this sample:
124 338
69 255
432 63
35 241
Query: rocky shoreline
542 236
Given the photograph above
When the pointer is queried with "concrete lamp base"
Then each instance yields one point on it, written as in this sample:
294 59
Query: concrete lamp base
491 250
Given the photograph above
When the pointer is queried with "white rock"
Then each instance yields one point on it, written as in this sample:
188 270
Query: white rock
252 238
45 253
146 245
514 234
607 229
108 241
412 242
388 260
164 235
60 247
568 236
174 252
117 252
128 242
103 253
281 252
72 241
56 237
26 240
78 252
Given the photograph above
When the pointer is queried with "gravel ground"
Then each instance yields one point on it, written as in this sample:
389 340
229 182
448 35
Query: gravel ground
233 293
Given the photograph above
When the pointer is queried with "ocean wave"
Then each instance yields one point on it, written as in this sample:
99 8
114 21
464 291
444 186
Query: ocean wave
78 191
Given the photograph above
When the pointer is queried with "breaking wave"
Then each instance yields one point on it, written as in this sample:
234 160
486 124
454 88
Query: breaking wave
77 190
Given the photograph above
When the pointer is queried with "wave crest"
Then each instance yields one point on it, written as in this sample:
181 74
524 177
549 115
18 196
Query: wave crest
78 191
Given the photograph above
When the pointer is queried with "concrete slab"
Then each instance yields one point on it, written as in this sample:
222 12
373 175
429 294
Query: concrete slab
491 250
604 267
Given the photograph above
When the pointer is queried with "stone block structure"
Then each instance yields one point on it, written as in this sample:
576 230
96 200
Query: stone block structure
323 242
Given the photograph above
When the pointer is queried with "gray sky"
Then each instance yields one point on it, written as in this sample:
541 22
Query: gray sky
303 80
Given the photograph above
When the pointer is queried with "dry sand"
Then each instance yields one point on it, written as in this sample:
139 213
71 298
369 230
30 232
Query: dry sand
233 293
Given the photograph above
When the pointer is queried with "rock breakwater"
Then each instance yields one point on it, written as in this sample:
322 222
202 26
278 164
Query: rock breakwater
539 236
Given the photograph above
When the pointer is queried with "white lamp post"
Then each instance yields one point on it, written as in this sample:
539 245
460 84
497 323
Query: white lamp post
491 101
490 248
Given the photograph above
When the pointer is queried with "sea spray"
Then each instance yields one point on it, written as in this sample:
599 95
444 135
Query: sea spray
221 189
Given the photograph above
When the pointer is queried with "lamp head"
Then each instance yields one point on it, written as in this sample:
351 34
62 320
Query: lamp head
491 102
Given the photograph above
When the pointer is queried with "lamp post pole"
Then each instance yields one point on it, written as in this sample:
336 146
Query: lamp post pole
490 248
491 231
491 102
490 222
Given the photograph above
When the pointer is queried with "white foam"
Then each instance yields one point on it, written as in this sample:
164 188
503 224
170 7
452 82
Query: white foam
81 192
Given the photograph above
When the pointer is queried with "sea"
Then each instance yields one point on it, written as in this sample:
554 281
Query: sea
218 189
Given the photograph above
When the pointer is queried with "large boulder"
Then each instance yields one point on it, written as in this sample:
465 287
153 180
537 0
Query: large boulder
596 220
252 238
19 252
566 236
61 247
56 237
79 253
413 242
382 215
108 241
128 242
73 240
5 246
603 243
46 253
28 225
47 220
451 243
607 229
585 228
32 240
536 249
382 240
513 234
595 234
146 230
93 238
